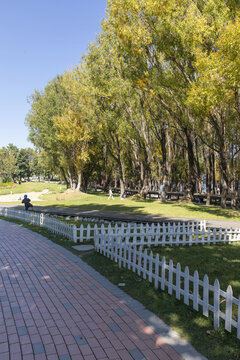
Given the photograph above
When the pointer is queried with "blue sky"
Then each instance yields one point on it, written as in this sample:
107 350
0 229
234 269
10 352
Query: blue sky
38 40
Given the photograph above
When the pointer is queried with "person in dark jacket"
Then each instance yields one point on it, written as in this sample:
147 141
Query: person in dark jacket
26 202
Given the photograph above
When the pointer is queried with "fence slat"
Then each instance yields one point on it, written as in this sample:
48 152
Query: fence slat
205 295
186 286
178 281
195 290
170 277
228 316
216 314
156 272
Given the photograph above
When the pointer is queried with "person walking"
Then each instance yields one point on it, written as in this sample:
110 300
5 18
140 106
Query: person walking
110 194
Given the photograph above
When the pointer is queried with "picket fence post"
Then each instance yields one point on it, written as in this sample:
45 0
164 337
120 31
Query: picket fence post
145 264
195 290
238 319
228 314
216 314
41 219
74 233
163 273
170 277
150 267
186 286
178 281
205 295
139 260
156 272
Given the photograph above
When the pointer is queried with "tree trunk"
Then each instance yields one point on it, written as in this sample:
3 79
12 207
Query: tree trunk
224 195
65 177
79 181
144 182
191 186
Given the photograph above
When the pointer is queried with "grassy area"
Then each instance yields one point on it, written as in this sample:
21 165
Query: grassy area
220 261
217 261
191 325
99 201
31 187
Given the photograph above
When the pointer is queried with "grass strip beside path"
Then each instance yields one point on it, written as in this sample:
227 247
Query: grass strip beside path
191 325
27 187
100 202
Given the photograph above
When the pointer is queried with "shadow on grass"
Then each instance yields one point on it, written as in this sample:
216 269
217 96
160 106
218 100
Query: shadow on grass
100 207
213 210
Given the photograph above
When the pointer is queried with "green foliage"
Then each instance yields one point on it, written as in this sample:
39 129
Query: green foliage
155 96
7 164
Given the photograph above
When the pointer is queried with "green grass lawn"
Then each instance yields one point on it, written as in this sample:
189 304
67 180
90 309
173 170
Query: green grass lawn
31 187
218 261
99 201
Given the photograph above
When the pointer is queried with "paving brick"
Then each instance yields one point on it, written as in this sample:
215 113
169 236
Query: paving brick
65 357
114 327
124 355
99 352
161 354
15 348
80 340
61 349
136 354
111 353
5 356
50 349
74 349
52 357
85 350
15 356
26 349
120 312
59 309
4 348
22 330
38 348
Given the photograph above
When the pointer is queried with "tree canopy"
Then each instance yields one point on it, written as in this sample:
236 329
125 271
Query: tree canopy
155 102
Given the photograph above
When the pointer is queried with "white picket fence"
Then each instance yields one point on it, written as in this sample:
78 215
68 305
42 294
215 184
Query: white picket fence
116 242
52 224
195 292
168 236
158 234
90 232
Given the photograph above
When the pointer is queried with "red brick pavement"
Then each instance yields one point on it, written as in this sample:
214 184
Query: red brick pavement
52 309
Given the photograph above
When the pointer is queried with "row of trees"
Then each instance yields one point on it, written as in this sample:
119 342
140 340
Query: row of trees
156 98
17 164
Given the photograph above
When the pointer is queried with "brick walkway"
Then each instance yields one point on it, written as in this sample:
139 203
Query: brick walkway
53 306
